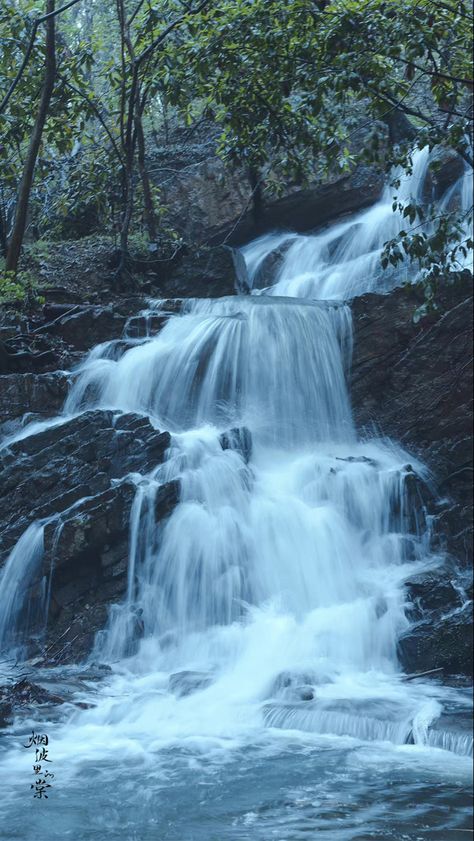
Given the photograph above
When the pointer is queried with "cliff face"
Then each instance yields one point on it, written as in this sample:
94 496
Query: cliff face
413 382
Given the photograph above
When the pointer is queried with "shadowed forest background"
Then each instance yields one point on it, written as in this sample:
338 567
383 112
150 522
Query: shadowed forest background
103 103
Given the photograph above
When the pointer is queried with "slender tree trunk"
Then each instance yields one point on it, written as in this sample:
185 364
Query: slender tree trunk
148 207
128 182
21 212
3 232
128 110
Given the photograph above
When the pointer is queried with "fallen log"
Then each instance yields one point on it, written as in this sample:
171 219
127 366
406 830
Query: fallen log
421 674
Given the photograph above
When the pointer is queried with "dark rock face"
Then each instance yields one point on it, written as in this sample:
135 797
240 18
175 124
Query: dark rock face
413 382
37 350
48 472
444 643
41 394
72 474
302 210
86 326
51 338
442 612
267 271
87 548
219 200
205 272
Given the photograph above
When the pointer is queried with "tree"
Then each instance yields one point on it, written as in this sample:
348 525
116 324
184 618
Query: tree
293 84
16 239
289 82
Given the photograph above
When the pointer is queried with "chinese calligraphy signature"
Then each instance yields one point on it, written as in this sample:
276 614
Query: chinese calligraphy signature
40 742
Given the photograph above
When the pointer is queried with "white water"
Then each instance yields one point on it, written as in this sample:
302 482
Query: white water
344 260
276 586
17 576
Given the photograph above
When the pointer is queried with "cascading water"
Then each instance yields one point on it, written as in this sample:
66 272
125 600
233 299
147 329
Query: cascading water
271 600
344 260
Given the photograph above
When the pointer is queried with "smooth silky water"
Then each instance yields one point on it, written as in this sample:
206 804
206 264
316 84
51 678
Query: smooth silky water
263 698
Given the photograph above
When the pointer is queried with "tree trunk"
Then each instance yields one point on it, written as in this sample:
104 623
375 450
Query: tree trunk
21 212
128 110
148 208
3 233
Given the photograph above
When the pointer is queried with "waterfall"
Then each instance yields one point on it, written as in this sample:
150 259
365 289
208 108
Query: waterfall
344 259
275 589
20 606
235 361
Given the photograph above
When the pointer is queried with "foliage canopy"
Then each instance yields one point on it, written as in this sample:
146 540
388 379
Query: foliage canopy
298 88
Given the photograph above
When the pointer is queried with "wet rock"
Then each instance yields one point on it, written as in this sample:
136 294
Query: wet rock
220 205
86 326
42 394
303 209
207 272
49 472
358 459
23 349
73 473
444 643
446 167
167 497
141 326
440 608
87 549
298 685
17 696
441 589
269 267
239 439
184 683
81 533
306 693
413 383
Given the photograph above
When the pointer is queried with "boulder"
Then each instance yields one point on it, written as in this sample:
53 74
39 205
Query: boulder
266 274
303 209
440 609
222 205
74 476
